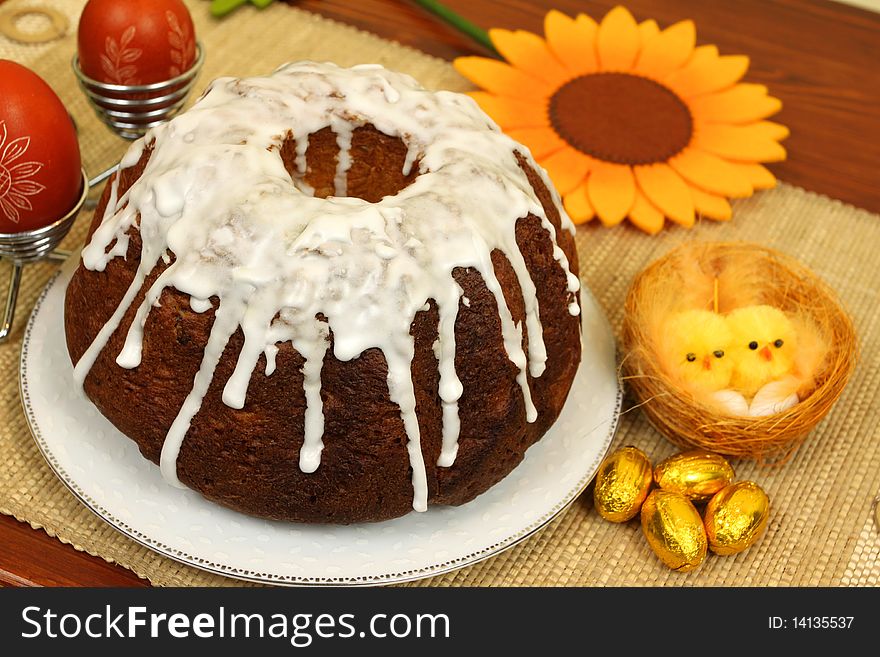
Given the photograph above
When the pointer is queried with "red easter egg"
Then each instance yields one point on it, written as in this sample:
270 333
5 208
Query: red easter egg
40 176
135 42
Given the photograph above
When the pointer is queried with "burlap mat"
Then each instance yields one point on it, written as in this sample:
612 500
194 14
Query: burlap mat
820 533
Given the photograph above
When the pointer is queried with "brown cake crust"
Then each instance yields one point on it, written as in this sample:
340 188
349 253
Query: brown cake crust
247 459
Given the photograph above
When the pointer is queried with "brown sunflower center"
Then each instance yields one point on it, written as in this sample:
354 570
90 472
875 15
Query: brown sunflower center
621 118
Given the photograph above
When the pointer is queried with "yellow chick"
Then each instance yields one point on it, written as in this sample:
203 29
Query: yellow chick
695 348
763 348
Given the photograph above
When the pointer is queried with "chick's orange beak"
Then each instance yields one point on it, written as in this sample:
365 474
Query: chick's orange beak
766 354
707 363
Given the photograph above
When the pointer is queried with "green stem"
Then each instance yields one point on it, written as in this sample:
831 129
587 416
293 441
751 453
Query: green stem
222 7
458 22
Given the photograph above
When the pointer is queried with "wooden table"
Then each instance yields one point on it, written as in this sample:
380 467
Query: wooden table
821 58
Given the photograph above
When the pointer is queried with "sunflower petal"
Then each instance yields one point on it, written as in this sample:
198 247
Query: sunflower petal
617 41
512 112
750 143
573 41
758 175
646 216
611 190
529 52
668 50
578 206
501 78
666 190
710 205
540 141
711 173
772 130
740 104
647 30
566 169
706 72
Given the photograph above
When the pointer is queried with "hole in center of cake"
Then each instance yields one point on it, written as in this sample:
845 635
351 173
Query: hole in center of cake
621 118
376 165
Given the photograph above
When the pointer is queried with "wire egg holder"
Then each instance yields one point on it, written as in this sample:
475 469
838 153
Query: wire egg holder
29 246
130 111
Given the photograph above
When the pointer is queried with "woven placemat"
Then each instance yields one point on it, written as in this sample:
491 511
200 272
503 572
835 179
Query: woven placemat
820 533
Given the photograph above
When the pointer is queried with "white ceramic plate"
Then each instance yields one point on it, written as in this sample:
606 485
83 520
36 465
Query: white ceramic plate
106 472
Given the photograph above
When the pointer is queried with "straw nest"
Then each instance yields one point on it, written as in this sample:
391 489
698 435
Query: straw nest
773 279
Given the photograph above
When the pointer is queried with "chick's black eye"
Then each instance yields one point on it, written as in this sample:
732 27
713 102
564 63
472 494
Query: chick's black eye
718 354
778 344
753 345
691 357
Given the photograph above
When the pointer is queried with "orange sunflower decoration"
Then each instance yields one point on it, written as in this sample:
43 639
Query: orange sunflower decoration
631 121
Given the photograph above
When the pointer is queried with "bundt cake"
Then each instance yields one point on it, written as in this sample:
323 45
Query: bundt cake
328 295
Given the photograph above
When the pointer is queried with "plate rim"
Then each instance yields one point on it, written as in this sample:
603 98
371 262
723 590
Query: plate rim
294 580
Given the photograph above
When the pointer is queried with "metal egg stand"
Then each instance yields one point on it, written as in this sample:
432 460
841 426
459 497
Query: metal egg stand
130 111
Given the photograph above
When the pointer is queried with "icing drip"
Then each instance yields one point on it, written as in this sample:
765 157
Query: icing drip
450 385
310 454
313 353
225 323
216 202
401 392
302 146
271 352
343 131
411 157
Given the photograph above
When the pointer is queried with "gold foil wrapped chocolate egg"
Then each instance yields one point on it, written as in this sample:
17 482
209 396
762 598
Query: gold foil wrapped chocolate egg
697 474
674 530
736 517
622 484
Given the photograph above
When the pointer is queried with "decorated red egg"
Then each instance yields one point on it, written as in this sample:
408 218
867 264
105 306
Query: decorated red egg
134 42
40 175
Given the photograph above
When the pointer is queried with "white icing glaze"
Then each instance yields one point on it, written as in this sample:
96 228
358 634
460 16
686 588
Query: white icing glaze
216 195
199 305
